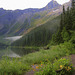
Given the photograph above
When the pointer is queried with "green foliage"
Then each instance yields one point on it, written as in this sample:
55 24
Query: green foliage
63 10
12 67
55 52
19 66
67 24
46 70
56 38
65 34
59 67
72 40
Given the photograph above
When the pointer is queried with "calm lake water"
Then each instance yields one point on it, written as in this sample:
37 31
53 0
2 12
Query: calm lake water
15 52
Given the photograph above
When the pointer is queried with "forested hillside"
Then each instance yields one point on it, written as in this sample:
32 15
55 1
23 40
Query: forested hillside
41 35
66 31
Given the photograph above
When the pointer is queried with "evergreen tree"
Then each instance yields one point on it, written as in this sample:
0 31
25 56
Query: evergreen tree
65 34
61 23
67 23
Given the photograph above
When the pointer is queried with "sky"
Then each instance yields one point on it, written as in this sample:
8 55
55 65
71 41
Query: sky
24 4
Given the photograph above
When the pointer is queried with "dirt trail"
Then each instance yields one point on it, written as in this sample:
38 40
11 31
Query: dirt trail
73 61
34 67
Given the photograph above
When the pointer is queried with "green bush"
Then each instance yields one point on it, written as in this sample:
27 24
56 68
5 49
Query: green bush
59 67
65 34
12 67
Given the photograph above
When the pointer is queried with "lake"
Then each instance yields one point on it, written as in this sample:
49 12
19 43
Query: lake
16 52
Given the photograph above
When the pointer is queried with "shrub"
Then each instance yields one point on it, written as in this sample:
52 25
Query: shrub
59 67
12 67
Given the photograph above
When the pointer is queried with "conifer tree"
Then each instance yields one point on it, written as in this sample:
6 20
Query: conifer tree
65 34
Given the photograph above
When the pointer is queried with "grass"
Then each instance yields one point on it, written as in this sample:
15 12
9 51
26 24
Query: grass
59 67
55 52
12 67
42 55
18 66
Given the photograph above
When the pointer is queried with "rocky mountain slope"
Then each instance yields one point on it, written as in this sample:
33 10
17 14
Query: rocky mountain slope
19 22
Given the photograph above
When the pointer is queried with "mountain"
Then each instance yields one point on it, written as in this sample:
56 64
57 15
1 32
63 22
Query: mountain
51 5
19 22
9 18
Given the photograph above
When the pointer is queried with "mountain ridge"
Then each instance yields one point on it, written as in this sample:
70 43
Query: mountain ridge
13 22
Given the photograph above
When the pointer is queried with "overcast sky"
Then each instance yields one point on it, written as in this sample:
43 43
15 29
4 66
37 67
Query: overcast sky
24 4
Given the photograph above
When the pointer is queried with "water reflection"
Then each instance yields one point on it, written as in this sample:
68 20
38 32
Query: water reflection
24 51
10 53
16 52
7 52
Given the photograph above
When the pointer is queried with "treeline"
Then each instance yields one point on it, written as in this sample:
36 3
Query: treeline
39 36
66 31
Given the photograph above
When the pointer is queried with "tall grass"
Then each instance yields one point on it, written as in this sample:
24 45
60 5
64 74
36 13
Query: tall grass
55 52
12 67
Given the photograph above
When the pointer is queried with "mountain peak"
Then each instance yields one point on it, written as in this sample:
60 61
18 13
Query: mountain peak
52 4
53 0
